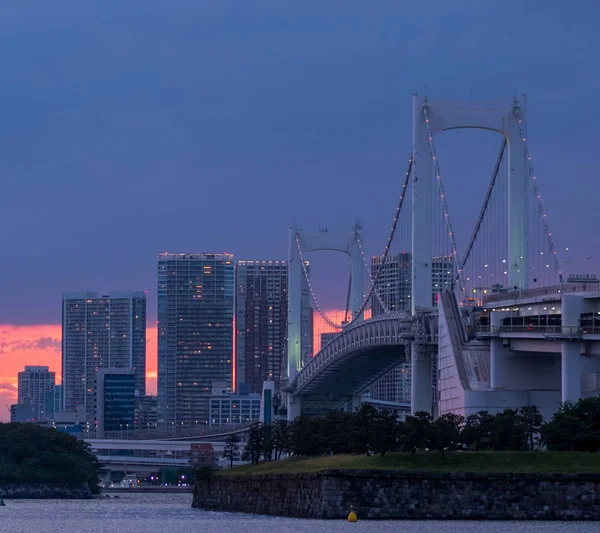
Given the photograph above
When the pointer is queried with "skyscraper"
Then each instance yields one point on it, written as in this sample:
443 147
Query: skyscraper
395 287
115 405
394 283
107 331
261 323
34 383
195 334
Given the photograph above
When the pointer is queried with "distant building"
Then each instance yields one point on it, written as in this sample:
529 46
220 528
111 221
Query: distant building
327 337
394 283
34 383
227 408
394 286
115 400
22 413
261 322
107 331
146 413
53 401
201 454
442 275
195 333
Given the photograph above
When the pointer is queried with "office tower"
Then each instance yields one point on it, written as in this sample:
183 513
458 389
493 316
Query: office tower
327 337
395 287
261 323
107 331
34 383
115 401
53 401
22 412
394 283
228 408
195 333
146 413
442 274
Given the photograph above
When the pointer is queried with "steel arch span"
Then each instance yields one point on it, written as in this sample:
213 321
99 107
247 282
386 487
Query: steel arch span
348 364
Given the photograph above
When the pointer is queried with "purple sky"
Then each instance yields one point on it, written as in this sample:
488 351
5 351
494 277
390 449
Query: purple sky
129 128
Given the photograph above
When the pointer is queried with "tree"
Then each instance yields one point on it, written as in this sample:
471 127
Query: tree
363 424
475 433
416 432
337 428
384 435
574 427
32 454
445 433
266 441
231 448
253 450
508 431
281 438
532 421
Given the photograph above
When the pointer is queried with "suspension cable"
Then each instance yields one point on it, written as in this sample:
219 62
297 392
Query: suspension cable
312 292
387 245
436 166
368 270
374 280
486 202
348 298
536 191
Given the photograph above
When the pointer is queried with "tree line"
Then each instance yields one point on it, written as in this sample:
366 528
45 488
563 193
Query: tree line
32 454
574 427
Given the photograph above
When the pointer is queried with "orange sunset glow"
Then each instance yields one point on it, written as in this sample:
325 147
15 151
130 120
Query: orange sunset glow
41 345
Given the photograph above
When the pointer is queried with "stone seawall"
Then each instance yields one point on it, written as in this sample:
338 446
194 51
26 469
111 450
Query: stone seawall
400 495
40 491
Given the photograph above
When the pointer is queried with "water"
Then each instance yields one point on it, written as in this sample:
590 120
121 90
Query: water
171 513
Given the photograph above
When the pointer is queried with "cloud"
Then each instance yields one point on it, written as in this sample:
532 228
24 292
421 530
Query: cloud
8 345
8 386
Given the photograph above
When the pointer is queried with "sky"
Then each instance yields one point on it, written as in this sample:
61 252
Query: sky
138 127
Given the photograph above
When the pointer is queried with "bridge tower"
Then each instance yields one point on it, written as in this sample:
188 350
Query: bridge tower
435 117
300 243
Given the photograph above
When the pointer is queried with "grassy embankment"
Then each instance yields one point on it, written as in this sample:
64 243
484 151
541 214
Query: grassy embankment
501 462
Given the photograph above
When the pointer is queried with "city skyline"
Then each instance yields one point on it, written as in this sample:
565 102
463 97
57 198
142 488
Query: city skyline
23 344
315 134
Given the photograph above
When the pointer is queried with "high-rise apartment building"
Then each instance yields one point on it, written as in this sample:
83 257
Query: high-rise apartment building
395 287
261 323
195 333
394 283
34 383
101 331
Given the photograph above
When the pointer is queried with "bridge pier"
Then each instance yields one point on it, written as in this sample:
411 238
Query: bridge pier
353 403
571 308
294 407
498 351
421 380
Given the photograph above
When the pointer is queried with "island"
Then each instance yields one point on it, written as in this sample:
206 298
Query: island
509 465
38 462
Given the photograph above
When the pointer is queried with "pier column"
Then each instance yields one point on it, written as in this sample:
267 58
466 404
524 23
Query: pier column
421 386
497 351
294 407
571 308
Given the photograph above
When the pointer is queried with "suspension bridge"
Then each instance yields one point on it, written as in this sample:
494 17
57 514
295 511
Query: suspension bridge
490 326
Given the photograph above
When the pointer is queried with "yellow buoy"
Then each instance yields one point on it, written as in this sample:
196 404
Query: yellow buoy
352 516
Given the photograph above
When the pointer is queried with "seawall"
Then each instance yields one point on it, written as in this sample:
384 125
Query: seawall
40 491
379 494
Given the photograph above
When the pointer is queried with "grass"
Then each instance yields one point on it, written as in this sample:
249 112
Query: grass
500 462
